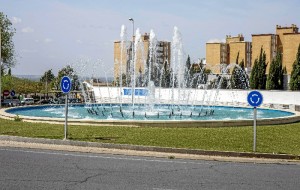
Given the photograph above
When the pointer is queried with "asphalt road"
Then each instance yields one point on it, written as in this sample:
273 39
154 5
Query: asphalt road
22 168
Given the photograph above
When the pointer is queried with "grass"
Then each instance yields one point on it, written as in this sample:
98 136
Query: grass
270 139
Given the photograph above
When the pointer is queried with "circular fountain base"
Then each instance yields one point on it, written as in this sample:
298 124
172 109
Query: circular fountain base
11 113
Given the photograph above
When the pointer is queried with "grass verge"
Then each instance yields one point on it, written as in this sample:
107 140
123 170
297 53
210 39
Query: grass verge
270 139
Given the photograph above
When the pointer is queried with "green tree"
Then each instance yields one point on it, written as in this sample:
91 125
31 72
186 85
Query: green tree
67 71
21 86
239 77
187 71
124 80
166 76
47 80
258 73
9 72
7 45
295 74
275 77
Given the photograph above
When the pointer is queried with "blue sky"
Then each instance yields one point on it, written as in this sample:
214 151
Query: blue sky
53 33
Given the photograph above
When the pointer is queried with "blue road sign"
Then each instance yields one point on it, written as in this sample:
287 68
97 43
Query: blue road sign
65 84
12 93
255 98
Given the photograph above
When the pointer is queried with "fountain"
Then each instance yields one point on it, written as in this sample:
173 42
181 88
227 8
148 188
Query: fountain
148 92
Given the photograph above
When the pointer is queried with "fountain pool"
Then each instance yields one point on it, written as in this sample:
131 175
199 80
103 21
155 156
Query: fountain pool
168 93
158 115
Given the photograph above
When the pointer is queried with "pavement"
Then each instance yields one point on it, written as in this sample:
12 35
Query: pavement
147 151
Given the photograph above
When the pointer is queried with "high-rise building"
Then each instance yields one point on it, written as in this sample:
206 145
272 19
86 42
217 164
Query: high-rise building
123 55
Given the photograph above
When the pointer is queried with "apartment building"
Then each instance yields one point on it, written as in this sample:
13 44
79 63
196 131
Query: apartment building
219 53
285 41
123 55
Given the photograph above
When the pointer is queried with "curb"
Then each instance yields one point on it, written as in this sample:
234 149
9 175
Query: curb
149 148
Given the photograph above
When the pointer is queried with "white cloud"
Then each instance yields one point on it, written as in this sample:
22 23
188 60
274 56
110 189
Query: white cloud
27 29
16 20
215 40
48 40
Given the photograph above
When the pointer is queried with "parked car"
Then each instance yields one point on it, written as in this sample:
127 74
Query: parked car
46 101
11 102
27 101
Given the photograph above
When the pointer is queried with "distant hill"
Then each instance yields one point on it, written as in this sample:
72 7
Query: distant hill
37 78
30 77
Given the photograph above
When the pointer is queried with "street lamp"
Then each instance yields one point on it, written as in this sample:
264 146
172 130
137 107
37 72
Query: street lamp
0 72
0 78
132 61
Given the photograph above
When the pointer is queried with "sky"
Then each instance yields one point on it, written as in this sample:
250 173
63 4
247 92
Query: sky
51 34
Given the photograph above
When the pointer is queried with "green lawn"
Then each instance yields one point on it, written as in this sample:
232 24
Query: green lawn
270 139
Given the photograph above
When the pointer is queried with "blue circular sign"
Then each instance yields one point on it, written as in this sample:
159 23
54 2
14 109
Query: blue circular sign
65 84
12 93
255 98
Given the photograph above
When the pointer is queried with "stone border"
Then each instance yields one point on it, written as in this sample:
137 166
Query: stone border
157 123
138 148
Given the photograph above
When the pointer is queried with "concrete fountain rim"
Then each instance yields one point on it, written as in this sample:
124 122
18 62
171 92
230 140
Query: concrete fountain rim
154 123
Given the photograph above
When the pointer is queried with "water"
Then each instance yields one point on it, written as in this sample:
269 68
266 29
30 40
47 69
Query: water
158 112
155 90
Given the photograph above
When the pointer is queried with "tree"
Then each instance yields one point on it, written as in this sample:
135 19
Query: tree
9 72
67 71
187 73
258 73
239 77
295 74
166 76
47 79
275 77
7 45
21 86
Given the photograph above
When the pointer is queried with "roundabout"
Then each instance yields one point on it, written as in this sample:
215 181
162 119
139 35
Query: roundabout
158 116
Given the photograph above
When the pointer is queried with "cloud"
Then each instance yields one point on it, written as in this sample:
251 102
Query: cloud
48 40
27 29
16 20
215 40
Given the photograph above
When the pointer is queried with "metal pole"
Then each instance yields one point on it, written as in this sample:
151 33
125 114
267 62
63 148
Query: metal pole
254 128
0 73
66 117
132 62
0 79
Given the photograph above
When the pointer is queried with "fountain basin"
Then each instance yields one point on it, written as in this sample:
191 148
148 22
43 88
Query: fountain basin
222 116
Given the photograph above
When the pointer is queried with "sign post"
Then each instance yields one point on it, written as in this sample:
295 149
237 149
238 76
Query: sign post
12 93
254 99
65 85
6 93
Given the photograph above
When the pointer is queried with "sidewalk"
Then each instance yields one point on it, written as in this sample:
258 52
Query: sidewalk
148 151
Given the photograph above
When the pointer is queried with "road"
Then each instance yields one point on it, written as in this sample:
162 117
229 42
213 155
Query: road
23 168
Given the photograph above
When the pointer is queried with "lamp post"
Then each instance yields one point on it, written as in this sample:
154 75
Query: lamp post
0 78
0 72
132 62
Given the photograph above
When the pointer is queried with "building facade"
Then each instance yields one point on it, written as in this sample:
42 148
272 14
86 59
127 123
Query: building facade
123 56
220 53
285 41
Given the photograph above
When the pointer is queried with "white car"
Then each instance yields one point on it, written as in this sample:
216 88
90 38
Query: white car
27 101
